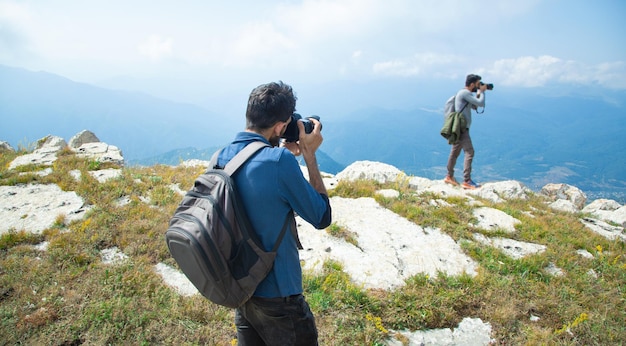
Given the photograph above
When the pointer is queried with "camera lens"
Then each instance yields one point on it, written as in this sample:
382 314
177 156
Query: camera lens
292 133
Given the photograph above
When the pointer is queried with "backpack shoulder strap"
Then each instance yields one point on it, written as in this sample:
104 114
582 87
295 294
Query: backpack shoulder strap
466 103
241 157
283 231
294 231
235 163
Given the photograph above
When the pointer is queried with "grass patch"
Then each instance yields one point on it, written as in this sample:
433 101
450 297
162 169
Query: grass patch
341 232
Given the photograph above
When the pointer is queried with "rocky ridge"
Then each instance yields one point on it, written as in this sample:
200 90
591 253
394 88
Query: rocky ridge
390 248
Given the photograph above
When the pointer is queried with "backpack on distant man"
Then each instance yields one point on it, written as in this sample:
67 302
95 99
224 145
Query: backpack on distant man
453 122
449 106
212 240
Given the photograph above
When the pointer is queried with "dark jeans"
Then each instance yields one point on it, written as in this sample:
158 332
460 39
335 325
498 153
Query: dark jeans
276 321
465 143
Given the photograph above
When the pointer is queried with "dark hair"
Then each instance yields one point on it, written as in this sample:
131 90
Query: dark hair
268 104
472 78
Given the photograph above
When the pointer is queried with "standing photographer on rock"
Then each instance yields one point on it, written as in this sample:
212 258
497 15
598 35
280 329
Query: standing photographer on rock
464 98
272 187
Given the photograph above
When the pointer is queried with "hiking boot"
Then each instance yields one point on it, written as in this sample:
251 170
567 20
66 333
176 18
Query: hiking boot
450 180
470 185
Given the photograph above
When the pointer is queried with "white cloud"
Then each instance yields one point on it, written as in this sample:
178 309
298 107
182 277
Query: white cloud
419 63
396 68
156 47
318 20
612 74
526 71
306 39
259 44
532 71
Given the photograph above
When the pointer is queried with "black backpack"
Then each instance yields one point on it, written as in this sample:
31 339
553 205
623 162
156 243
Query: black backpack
212 240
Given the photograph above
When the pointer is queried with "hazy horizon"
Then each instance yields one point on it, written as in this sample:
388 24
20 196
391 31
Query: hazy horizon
213 53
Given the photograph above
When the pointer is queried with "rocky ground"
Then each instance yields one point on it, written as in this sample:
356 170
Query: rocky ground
390 248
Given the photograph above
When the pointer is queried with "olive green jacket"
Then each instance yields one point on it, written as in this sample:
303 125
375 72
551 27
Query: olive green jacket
453 124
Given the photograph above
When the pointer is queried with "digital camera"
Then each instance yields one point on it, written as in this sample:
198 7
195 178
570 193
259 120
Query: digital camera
292 133
489 85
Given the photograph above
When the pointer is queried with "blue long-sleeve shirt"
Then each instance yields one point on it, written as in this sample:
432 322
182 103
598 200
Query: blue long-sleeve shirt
270 185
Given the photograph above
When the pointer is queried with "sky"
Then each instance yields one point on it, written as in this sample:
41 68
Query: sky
186 47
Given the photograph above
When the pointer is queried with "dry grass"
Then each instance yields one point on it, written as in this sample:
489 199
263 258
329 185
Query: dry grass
68 296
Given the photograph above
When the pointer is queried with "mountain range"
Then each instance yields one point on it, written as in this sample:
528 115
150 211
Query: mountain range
535 136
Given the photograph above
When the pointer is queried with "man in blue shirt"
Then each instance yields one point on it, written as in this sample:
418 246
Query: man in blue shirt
271 185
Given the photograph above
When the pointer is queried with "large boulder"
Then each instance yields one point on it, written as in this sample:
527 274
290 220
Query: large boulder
83 137
601 205
607 210
369 170
565 192
564 205
502 190
45 153
100 152
5 146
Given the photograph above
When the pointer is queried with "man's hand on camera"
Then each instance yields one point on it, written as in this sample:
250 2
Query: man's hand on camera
309 142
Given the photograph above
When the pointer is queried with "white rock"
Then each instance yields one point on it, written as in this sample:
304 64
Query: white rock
100 152
512 248
369 170
45 154
502 190
177 280
592 273
491 219
81 138
195 163
470 332
564 205
423 185
5 146
390 248
601 204
106 174
75 173
35 207
534 318
604 229
113 256
43 246
565 192
388 193
176 188
607 210
618 216
553 270
584 253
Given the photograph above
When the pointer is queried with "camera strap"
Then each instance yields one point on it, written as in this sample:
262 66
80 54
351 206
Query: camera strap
477 112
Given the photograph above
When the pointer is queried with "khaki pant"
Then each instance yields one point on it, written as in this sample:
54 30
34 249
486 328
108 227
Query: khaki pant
465 143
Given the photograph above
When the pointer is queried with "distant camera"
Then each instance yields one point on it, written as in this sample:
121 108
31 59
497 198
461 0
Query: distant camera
292 133
489 85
